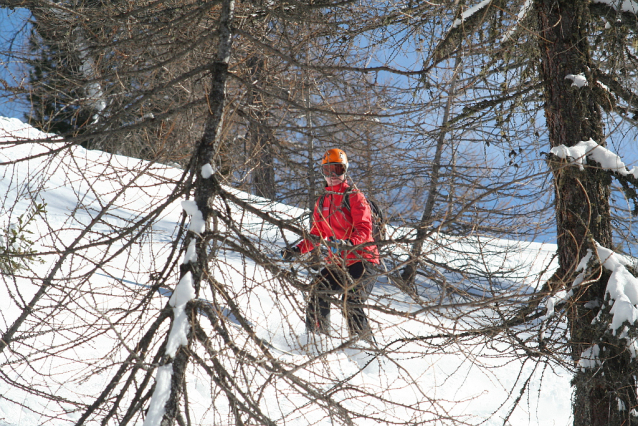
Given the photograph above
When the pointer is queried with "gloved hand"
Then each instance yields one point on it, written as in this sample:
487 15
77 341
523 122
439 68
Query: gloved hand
324 251
289 253
337 245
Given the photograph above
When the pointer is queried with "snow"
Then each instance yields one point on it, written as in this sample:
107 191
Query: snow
579 80
602 85
589 358
607 159
622 288
184 292
207 171
12 129
582 268
552 301
191 253
521 15
523 12
197 224
469 12
180 327
160 396
424 382
179 331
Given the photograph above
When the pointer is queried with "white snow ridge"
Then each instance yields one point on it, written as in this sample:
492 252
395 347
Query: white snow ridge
103 298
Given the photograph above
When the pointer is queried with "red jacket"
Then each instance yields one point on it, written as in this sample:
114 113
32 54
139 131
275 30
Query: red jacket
330 220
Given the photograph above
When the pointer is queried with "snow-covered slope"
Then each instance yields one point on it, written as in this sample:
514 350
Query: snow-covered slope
110 227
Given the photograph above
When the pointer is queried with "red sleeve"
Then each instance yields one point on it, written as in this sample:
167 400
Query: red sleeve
306 245
361 219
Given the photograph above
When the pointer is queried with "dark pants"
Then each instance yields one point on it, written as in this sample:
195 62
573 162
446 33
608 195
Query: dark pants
354 288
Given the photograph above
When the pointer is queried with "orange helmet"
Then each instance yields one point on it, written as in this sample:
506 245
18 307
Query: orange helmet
335 155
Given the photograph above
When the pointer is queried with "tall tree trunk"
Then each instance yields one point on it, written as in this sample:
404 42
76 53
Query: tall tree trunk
582 196
310 163
261 156
207 187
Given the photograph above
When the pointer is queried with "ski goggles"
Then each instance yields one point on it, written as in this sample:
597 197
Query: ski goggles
334 169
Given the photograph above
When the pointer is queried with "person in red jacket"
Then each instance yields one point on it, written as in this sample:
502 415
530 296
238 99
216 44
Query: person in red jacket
348 234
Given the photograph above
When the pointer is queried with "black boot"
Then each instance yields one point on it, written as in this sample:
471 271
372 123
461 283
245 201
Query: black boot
318 323
318 315
358 325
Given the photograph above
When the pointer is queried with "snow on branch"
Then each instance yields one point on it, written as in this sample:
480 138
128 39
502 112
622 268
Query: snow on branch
559 298
620 308
521 15
466 24
197 223
563 296
207 171
579 80
191 253
622 288
607 160
590 357
162 391
180 327
471 11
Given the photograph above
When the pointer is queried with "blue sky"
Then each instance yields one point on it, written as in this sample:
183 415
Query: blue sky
14 33
10 22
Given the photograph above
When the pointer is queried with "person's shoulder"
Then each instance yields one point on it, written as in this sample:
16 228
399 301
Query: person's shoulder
354 191
358 197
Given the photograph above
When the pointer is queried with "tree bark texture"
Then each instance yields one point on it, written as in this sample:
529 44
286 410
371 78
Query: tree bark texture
582 196
259 137
573 115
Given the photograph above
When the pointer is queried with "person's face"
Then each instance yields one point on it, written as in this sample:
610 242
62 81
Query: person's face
334 173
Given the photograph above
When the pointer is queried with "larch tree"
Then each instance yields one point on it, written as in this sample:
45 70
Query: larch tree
580 82
245 94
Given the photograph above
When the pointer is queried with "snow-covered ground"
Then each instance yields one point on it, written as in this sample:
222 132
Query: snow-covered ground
98 303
